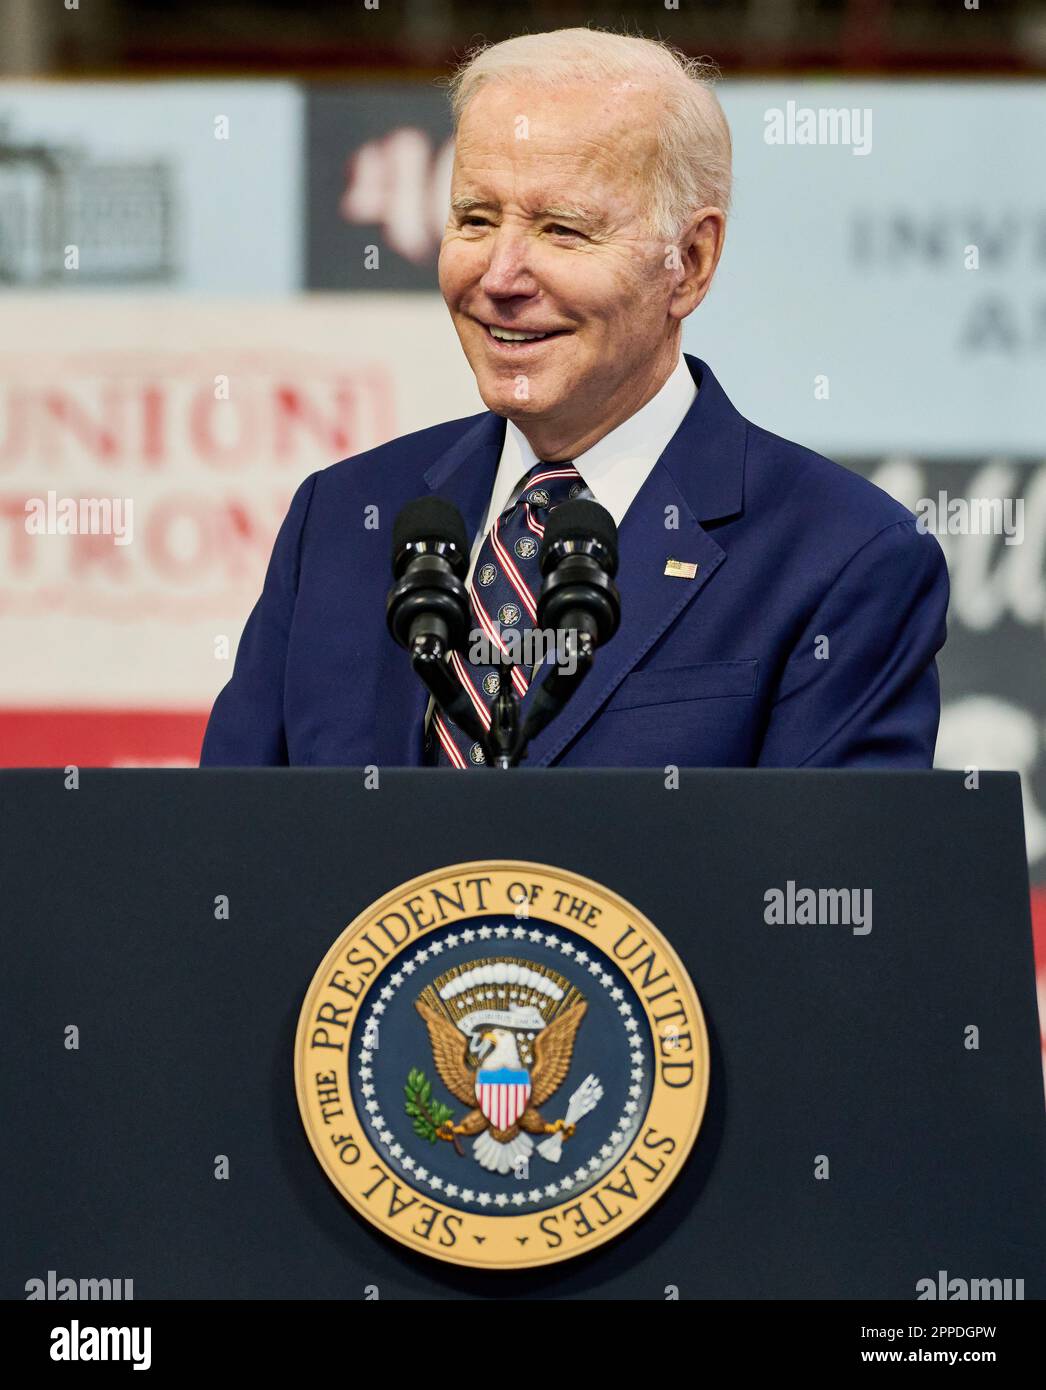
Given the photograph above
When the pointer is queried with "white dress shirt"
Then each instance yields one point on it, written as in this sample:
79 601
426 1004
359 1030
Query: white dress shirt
613 470
615 467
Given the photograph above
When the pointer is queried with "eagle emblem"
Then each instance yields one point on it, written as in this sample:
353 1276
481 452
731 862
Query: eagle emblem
502 1033
486 1068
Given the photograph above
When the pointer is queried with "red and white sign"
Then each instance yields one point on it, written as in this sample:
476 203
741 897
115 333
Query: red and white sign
204 418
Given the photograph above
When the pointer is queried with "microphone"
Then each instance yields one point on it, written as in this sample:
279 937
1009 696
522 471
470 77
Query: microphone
430 558
579 560
428 612
427 609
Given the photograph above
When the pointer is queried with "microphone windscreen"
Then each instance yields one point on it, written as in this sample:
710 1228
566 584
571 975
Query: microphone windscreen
429 519
582 520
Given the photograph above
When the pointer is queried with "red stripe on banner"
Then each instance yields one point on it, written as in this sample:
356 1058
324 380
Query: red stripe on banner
100 738
1038 924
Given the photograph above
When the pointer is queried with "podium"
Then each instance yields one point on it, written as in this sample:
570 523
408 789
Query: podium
875 1111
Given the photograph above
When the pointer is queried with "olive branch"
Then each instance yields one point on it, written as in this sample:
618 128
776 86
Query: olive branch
426 1115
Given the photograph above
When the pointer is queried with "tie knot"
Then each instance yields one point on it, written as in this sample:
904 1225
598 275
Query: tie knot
548 484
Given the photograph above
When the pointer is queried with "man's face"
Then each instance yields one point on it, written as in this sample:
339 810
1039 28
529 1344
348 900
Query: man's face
547 235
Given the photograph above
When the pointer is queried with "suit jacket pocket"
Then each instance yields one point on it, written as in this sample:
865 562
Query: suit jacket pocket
708 681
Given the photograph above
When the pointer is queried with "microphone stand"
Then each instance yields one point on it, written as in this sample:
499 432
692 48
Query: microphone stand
505 744
429 653
547 700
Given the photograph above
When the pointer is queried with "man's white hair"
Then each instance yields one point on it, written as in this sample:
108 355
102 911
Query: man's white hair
692 167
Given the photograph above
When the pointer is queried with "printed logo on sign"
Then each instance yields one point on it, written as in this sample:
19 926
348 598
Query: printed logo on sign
501 1064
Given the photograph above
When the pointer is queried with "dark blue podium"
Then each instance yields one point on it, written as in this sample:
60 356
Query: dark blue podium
875 1111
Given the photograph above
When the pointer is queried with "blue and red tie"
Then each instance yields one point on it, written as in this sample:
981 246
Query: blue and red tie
503 592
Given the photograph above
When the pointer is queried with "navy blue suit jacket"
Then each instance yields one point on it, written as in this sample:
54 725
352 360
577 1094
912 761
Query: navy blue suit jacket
806 639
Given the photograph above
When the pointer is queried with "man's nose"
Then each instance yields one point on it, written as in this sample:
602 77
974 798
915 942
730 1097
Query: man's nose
508 270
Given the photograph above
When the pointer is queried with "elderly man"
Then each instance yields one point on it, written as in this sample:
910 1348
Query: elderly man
777 610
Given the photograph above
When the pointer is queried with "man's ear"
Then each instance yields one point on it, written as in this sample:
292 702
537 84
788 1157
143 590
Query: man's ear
697 253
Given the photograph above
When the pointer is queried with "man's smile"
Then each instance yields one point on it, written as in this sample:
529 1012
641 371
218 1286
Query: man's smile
516 341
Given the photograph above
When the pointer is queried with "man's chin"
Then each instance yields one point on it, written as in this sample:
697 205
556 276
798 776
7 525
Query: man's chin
517 398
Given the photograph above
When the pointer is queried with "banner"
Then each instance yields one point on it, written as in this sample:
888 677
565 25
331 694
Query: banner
148 453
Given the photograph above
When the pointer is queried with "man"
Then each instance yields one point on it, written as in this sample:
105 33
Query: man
777 610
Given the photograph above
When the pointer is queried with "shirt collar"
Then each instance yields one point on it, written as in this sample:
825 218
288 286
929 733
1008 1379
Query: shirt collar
616 467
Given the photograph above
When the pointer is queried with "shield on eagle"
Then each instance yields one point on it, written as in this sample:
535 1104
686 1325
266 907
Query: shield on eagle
502 1095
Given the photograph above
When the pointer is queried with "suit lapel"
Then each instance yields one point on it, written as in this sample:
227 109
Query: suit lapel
650 601
465 474
699 477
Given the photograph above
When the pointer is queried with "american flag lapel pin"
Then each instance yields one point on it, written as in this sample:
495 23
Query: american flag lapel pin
680 569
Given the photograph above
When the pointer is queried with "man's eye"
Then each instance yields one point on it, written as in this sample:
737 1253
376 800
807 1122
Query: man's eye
560 230
473 220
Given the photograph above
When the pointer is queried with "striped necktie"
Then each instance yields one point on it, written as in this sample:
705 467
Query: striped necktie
503 594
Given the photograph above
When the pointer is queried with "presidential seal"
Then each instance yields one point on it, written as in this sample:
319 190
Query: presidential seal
501 1064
